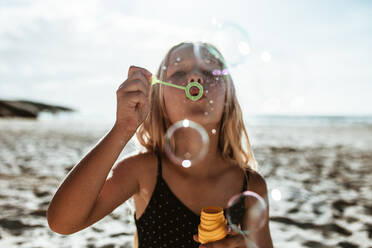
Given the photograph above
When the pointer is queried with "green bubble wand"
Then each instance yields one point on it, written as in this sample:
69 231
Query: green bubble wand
155 80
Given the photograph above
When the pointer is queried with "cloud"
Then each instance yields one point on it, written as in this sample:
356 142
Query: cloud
76 52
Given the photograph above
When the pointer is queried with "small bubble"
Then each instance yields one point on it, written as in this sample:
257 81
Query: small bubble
175 63
164 68
186 163
205 113
178 59
217 79
276 195
213 131
186 123
211 101
266 56
216 72
206 91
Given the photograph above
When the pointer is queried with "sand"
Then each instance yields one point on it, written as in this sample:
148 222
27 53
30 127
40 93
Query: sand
323 173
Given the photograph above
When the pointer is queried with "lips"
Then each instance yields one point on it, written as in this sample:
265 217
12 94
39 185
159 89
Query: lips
201 99
194 91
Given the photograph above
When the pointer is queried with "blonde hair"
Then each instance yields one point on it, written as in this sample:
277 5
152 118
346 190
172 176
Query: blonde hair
233 141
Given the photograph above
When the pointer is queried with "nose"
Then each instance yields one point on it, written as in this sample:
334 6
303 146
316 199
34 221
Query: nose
196 78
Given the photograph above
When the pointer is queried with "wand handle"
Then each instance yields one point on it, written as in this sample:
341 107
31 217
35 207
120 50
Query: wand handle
154 80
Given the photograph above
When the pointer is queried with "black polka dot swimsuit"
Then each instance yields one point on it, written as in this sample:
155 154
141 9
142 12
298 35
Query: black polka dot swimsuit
166 221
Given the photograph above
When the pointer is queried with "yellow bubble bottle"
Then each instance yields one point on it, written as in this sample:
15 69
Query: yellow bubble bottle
212 225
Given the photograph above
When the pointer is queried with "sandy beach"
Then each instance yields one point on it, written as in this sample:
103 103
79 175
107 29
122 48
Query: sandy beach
323 173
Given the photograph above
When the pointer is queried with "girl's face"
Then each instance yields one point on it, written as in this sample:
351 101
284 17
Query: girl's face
187 64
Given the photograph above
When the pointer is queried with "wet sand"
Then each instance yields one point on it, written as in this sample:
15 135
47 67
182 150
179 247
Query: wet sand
323 174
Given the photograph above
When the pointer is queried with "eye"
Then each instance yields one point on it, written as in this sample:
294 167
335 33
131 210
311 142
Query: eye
208 74
178 74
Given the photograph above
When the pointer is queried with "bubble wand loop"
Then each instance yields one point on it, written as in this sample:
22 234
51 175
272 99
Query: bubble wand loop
155 80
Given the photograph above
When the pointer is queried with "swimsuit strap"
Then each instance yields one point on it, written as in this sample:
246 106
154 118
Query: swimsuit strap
159 165
246 179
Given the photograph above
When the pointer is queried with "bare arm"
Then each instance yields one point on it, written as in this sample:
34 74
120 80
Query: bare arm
85 196
76 196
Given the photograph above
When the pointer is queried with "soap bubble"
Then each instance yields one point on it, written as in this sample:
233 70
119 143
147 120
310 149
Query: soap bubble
217 72
186 143
276 194
231 40
246 212
266 56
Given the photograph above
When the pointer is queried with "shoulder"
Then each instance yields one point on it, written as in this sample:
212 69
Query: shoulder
257 183
138 159
138 164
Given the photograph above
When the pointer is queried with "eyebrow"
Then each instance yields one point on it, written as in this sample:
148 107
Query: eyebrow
209 72
183 65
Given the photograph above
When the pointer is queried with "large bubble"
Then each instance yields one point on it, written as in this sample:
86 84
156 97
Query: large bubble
247 212
186 143
231 40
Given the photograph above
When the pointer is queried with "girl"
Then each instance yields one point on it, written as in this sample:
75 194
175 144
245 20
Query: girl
168 198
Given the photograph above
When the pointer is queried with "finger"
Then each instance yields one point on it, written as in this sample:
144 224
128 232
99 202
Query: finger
135 98
232 242
132 85
145 72
139 75
132 69
196 238
230 231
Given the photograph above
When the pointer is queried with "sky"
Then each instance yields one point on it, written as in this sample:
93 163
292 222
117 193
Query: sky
306 57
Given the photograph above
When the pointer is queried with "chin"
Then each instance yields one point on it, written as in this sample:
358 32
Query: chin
202 118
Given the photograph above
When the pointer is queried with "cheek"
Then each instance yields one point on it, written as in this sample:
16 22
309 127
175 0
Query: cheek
173 99
171 94
216 92
216 100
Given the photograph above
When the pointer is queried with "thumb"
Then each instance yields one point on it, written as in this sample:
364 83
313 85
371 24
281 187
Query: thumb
144 71
147 74
230 231
196 239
